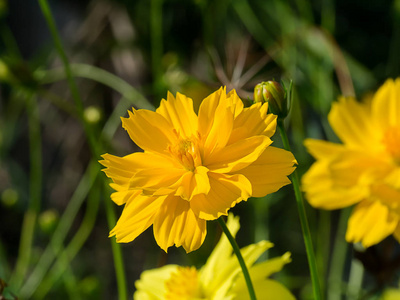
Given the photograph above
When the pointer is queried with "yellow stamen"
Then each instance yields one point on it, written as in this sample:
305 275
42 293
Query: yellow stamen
183 285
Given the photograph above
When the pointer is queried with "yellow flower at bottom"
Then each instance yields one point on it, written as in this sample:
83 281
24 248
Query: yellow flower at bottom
194 168
365 169
220 278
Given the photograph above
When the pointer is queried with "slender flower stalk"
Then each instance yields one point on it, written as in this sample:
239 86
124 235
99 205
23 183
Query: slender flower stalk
239 256
95 146
28 226
303 218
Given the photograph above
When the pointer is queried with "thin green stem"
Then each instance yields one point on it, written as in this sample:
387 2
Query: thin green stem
156 41
67 255
239 256
116 249
335 286
303 219
92 139
98 75
56 243
35 194
67 69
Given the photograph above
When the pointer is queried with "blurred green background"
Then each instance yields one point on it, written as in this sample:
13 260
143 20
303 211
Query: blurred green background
130 53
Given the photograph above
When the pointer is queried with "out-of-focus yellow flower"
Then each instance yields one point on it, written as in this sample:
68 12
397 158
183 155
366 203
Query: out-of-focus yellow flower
194 168
391 294
365 169
220 278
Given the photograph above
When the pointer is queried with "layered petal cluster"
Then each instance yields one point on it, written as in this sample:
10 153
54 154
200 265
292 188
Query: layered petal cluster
194 168
365 169
220 278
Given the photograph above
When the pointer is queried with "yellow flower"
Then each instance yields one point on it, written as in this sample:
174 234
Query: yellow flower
220 278
365 169
194 168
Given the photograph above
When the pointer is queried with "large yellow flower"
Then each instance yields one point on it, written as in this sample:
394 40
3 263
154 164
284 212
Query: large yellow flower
365 169
220 278
194 168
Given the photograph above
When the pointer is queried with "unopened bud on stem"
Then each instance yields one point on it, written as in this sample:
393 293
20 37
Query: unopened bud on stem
274 93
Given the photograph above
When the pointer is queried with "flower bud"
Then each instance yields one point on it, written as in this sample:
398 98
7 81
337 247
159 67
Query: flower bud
274 93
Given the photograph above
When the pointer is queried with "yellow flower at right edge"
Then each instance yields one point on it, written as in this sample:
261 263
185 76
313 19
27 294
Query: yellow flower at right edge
365 169
220 278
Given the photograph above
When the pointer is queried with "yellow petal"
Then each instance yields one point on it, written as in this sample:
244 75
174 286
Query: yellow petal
235 103
238 155
119 169
260 123
351 122
321 192
151 285
175 223
220 131
267 268
156 179
269 172
179 112
225 192
348 167
193 183
219 256
370 223
322 149
386 105
207 110
149 130
266 289
137 216
391 294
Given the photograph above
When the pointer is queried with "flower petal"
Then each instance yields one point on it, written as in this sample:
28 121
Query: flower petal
207 110
269 172
238 155
137 216
261 123
320 149
386 105
220 131
321 192
149 130
351 122
175 223
266 289
225 192
179 112
119 169
151 284
193 183
370 223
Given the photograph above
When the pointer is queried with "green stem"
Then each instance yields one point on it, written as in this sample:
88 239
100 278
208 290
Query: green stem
116 249
303 219
67 69
67 255
239 256
335 286
35 194
92 139
98 75
156 42
59 235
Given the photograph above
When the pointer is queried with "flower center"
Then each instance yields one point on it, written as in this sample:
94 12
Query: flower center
391 139
183 285
187 153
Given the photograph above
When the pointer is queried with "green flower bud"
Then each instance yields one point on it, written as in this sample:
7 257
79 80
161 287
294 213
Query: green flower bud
275 94
9 197
92 114
48 220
